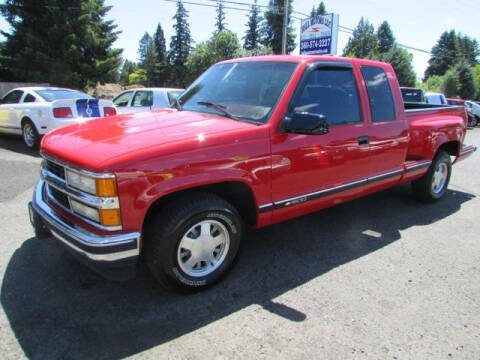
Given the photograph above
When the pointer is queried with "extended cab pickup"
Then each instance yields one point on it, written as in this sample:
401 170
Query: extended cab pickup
252 142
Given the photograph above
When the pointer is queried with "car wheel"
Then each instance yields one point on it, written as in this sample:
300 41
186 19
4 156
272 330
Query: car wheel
31 138
472 121
432 186
193 243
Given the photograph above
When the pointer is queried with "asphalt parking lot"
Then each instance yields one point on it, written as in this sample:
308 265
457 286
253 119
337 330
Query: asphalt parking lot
381 277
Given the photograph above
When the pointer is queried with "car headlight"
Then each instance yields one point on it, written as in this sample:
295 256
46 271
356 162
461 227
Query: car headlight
103 187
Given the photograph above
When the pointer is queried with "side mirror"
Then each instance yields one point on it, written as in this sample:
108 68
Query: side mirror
306 123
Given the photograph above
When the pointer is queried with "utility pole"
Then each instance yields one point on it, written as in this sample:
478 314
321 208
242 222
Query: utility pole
285 27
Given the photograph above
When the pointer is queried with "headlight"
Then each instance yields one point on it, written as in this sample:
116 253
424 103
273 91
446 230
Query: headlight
81 182
103 187
85 210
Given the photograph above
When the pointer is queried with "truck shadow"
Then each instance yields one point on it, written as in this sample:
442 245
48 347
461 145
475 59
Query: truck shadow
15 143
57 308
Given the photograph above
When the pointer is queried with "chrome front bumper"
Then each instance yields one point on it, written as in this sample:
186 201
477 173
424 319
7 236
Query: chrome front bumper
95 249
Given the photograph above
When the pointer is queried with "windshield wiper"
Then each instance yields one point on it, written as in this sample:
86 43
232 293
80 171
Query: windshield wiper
218 107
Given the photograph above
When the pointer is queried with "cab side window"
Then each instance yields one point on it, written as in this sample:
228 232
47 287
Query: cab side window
122 99
379 94
143 98
13 97
331 92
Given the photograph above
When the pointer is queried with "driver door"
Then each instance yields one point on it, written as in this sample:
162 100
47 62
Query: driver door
309 171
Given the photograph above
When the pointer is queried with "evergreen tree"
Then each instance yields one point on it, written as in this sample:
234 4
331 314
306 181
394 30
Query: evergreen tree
62 44
322 9
468 49
467 88
274 25
444 54
180 46
476 77
160 44
151 64
313 12
145 42
363 44
401 61
220 24
386 40
252 37
128 68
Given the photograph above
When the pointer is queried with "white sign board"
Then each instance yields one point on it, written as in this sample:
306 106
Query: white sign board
319 35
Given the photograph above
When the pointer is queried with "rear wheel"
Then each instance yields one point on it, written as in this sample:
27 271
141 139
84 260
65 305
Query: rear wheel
193 242
31 138
432 186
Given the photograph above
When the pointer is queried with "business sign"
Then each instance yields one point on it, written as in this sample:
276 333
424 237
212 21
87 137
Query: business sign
319 35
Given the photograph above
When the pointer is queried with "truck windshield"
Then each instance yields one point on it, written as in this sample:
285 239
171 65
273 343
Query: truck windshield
246 90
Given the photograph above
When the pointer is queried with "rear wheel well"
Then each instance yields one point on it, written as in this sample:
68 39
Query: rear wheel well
24 120
451 148
235 192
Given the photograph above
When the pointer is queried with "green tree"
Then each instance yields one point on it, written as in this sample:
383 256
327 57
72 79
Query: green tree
139 76
222 46
160 44
386 40
252 39
145 42
162 71
450 84
476 76
63 44
468 49
322 9
274 24
401 61
180 46
220 25
128 68
363 44
466 89
444 54
433 84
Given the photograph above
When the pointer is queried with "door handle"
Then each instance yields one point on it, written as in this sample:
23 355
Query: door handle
363 140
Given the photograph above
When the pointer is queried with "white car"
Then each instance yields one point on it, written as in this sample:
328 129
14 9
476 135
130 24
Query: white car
135 100
435 99
34 111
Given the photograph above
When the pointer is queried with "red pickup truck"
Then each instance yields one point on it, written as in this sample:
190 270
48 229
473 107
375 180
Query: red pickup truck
252 142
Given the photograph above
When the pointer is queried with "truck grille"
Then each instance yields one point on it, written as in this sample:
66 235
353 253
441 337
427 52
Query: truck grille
55 169
59 197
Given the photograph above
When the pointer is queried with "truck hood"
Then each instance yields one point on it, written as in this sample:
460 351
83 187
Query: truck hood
98 144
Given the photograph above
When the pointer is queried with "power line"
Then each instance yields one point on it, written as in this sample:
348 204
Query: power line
343 29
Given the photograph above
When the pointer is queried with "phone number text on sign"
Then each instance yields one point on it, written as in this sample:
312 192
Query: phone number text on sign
317 46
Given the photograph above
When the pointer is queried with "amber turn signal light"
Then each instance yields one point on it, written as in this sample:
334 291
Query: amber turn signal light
106 187
110 217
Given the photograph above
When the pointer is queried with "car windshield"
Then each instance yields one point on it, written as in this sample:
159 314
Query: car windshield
52 95
246 90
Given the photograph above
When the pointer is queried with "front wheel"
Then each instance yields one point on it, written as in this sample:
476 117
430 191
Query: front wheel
432 186
192 243
31 138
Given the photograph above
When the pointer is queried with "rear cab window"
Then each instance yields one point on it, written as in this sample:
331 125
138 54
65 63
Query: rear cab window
379 92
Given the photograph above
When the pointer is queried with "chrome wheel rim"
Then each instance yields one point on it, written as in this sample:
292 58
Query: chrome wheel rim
203 248
439 178
28 134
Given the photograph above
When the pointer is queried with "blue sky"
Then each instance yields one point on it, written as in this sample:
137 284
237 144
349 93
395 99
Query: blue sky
418 23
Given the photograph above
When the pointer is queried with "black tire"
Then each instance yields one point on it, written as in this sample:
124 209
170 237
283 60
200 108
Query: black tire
424 188
473 121
31 138
166 229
